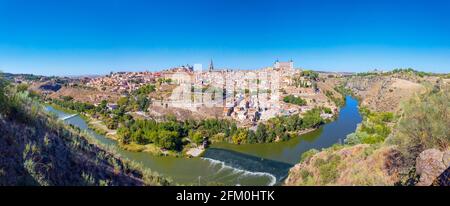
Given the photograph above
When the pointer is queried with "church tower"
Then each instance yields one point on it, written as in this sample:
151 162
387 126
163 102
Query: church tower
211 66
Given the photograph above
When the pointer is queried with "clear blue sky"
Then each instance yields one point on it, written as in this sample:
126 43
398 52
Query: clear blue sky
73 37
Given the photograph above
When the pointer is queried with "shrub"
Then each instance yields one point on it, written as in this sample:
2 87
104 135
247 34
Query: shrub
312 118
239 137
168 140
196 137
328 169
308 154
352 139
327 110
374 128
305 174
294 100
424 123
22 87
3 97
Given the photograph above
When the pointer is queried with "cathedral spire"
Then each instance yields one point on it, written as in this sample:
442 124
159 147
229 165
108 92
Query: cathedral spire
211 66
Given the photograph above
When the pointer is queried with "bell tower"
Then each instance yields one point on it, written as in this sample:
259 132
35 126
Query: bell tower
211 66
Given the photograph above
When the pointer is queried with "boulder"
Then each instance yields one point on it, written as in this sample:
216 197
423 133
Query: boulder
430 164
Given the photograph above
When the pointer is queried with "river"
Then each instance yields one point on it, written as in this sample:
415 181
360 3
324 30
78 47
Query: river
230 164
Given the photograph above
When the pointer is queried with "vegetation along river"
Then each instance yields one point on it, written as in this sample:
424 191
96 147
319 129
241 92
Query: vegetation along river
230 164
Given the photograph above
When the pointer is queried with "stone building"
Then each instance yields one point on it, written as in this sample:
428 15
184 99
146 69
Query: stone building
283 65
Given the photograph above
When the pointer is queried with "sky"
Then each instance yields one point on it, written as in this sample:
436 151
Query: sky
79 37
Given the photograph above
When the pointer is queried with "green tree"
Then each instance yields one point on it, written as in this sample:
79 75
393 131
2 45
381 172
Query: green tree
138 137
294 100
124 134
239 137
196 136
151 136
3 98
233 129
251 137
143 102
169 140
312 118
279 130
111 123
261 133
122 102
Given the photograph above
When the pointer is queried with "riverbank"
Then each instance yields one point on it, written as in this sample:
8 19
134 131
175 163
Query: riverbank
99 127
84 117
151 149
245 164
188 150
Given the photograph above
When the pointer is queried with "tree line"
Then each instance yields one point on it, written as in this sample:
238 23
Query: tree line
294 100
172 134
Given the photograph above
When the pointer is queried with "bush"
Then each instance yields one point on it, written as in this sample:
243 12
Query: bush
328 169
305 174
352 139
239 137
261 133
196 137
308 154
294 100
312 118
3 97
338 101
327 110
424 123
374 128
251 137
22 87
145 90
168 140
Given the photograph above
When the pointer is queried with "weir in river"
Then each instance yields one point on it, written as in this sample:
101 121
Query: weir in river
68 117
274 169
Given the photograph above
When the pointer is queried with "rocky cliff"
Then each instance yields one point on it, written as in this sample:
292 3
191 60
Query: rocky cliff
383 93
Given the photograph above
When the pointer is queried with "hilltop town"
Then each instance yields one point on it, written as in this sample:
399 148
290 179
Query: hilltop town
245 96
180 111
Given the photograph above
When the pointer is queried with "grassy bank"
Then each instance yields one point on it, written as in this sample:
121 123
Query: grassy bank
38 149
133 147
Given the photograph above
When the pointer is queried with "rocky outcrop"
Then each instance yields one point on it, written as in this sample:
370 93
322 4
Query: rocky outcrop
430 164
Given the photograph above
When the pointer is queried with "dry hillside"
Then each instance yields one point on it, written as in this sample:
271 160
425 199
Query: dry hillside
383 93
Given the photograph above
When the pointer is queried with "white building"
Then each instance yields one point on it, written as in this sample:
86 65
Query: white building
283 65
